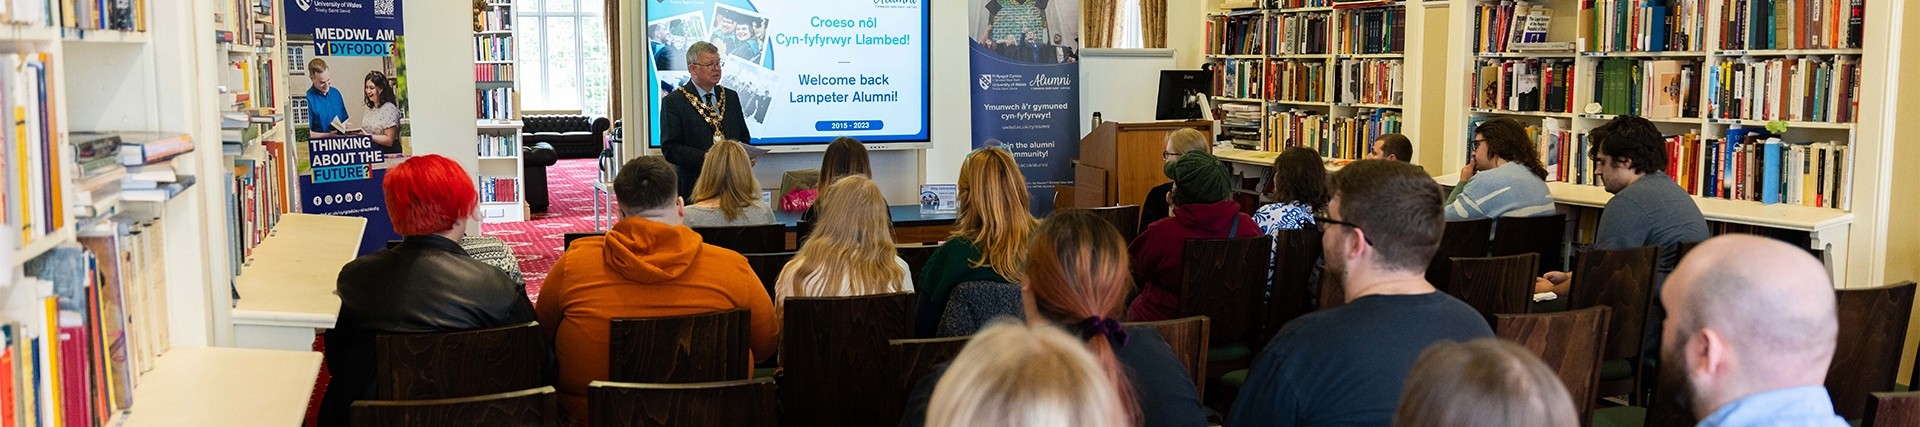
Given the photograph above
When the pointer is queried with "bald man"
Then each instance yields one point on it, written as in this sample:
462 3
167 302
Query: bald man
1750 328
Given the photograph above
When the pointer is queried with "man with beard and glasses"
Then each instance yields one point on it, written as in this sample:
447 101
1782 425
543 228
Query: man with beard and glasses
1750 328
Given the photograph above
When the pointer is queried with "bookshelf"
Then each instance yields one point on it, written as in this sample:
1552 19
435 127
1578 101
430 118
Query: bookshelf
497 142
1596 59
1327 75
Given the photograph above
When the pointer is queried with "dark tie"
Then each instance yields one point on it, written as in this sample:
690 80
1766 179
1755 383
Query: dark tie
709 98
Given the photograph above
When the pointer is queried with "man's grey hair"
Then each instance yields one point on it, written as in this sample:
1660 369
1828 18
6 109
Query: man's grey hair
699 48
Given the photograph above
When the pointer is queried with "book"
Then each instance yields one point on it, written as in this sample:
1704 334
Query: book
141 148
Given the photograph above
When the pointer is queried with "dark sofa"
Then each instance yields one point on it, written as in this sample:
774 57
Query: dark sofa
572 136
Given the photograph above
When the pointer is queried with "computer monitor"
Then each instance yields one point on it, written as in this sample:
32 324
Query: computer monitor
1181 92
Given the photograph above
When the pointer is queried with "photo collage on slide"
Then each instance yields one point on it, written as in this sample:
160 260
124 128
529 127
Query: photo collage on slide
1024 30
741 37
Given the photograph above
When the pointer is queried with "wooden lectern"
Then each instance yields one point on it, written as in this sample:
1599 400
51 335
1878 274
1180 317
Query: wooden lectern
1119 162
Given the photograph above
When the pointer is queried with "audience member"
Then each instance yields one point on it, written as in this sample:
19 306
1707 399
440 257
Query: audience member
1391 146
1077 280
1505 177
1752 334
1012 375
1484 382
1647 208
1299 191
989 238
648 265
425 284
727 194
844 156
1346 365
1202 210
1159 202
851 252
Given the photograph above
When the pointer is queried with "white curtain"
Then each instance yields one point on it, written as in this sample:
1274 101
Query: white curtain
1127 31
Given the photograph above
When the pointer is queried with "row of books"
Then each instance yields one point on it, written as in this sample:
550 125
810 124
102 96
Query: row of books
1532 84
121 15
85 323
35 196
1372 31
1792 24
244 22
1241 122
492 72
1370 81
1294 4
495 145
493 47
1655 89
260 189
1746 164
1300 33
1815 89
1499 26
1236 34
495 104
1239 78
1298 81
1332 137
1643 26
499 189
1554 139
494 19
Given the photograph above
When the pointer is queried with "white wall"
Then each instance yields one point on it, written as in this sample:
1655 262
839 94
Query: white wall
440 84
1122 84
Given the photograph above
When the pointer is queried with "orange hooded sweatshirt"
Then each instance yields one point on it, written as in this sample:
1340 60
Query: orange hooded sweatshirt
641 268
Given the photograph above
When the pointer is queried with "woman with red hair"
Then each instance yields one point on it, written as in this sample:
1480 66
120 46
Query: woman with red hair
425 284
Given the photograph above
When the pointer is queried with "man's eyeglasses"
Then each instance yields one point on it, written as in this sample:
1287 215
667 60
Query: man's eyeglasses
715 64
1323 221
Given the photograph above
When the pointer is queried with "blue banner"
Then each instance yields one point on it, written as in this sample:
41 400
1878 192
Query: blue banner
1026 91
345 180
369 20
348 79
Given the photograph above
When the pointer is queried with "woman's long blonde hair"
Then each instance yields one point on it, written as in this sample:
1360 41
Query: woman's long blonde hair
1017 375
993 211
853 243
727 174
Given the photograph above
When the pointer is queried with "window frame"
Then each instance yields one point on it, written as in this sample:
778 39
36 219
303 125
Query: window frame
536 11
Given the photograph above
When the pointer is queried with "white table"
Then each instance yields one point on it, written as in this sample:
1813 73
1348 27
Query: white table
602 197
224 387
287 290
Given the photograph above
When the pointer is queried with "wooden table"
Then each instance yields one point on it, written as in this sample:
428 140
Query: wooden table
287 289
909 225
225 387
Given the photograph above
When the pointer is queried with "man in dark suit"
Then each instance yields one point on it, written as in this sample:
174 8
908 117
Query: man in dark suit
690 115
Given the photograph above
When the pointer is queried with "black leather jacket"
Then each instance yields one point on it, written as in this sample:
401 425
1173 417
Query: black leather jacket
425 284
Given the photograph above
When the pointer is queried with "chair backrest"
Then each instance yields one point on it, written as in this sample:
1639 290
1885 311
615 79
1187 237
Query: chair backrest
1125 218
1544 235
833 354
1866 355
751 239
694 348
442 365
801 230
1495 285
916 256
768 266
911 360
1222 279
1459 239
971 305
1188 337
1295 253
530 407
1569 342
748 403
567 243
1622 280
1333 293
1890 409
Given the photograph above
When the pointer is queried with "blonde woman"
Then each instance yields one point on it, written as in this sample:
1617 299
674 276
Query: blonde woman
989 239
1016 375
1484 382
727 195
851 252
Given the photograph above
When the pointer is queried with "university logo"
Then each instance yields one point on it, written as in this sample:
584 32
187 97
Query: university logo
985 81
304 4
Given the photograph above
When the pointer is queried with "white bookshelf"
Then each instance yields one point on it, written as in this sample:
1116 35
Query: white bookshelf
496 164
1331 54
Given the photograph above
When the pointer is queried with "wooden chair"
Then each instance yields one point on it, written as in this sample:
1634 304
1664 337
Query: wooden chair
1295 253
442 365
833 351
801 230
1124 218
1889 409
1188 337
752 239
1569 342
1544 235
567 242
911 361
916 256
1866 356
1495 285
530 407
1466 239
1333 293
694 348
1622 280
1222 280
747 403
768 266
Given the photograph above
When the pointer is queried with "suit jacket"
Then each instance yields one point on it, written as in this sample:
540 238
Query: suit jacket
685 135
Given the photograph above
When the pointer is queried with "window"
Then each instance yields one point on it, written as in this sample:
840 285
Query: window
1127 32
564 60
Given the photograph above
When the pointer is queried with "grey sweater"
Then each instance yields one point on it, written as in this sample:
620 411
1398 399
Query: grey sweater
1654 211
1507 190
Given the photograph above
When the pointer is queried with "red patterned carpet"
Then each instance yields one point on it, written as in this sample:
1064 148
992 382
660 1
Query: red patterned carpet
537 241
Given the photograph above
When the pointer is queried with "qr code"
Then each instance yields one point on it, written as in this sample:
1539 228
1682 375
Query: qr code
383 7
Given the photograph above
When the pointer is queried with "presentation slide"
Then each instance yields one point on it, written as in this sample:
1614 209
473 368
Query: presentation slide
805 71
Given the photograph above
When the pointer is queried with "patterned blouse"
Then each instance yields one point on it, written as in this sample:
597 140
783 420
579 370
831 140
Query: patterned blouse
1283 216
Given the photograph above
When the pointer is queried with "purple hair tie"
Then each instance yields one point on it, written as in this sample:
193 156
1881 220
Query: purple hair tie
1097 325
